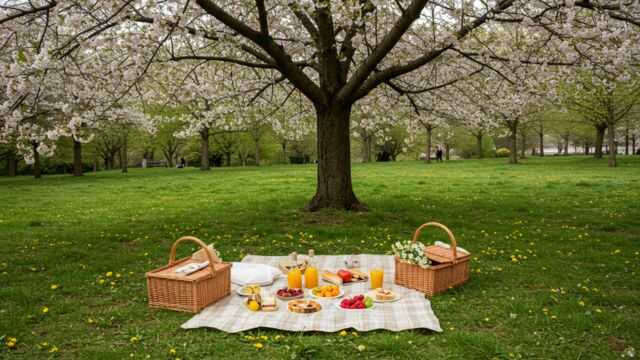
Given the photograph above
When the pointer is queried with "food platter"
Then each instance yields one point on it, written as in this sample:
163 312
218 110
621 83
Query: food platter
337 304
290 297
344 276
302 306
339 295
247 290
372 294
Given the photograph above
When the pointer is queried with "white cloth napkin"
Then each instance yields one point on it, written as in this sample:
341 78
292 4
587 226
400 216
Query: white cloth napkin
259 274
447 246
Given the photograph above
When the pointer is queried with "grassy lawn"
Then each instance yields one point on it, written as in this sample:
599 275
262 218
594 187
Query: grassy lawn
556 246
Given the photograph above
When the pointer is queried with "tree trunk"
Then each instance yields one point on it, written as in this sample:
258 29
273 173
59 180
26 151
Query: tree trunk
541 140
586 148
227 155
633 144
285 156
428 149
77 158
447 151
204 149
257 143
479 145
37 170
626 141
366 147
124 156
513 154
523 145
600 129
12 164
611 136
565 139
334 188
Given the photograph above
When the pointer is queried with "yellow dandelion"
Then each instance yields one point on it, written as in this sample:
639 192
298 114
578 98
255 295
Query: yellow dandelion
54 286
343 333
361 347
54 349
135 339
44 310
172 351
258 346
11 342
581 303
101 281
264 338
109 274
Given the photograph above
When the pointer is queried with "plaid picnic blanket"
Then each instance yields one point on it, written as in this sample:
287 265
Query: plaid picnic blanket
412 311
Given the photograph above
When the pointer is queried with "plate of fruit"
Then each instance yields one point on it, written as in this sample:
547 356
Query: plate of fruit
289 294
248 290
326 292
358 302
344 276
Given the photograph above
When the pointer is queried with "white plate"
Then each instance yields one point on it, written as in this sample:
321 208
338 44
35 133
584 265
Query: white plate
340 294
239 290
372 294
337 304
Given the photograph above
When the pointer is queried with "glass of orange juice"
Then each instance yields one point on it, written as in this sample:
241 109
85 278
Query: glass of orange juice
294 279
311 277
377 277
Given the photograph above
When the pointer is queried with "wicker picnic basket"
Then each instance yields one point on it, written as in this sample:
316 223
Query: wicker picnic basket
190 293
447 269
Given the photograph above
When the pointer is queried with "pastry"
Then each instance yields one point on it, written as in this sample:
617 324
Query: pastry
304 306
384 294
331 278
357 275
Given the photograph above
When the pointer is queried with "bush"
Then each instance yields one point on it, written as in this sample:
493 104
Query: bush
503 152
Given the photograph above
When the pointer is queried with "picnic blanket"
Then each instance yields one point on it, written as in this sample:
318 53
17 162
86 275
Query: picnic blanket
412 311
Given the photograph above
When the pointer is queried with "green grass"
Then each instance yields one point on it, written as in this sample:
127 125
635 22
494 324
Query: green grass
572 224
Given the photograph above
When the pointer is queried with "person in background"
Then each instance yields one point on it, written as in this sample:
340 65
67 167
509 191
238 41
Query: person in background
183 163
438 154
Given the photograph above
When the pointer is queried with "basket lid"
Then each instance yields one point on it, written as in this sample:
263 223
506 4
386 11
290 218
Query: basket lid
168 272
443 255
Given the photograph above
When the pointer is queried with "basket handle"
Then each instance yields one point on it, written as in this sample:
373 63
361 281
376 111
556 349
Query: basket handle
172 255
454 243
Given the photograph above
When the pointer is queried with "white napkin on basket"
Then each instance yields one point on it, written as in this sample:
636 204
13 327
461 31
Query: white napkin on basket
259 274
447 246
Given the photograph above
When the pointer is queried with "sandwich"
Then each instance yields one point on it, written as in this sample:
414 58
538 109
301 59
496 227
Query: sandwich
269 303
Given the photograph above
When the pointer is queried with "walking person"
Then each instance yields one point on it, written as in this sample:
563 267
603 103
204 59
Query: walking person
438 154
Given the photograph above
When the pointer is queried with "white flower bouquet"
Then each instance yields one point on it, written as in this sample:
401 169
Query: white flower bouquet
411 252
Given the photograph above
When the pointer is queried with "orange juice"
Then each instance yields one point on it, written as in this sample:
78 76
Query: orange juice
377 276
294 279
311 277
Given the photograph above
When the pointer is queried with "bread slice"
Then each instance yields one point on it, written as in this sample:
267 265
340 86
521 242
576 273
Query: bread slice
331 277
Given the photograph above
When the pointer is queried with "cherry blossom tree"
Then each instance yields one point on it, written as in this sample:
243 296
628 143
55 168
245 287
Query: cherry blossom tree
334 52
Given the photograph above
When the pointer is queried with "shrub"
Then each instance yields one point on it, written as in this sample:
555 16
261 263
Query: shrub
503 152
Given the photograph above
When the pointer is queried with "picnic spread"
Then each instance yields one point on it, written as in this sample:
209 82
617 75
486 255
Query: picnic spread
311 292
